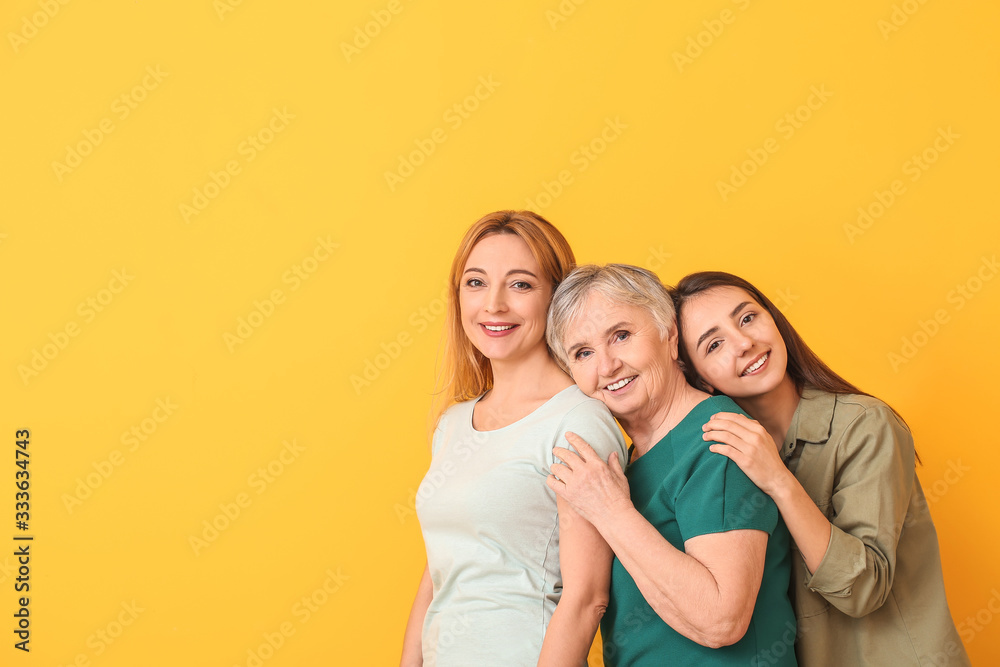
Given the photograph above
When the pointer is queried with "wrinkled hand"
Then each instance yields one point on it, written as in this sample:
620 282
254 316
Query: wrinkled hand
750 447
595 489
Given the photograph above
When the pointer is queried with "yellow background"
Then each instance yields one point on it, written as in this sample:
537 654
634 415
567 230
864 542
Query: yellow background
669 100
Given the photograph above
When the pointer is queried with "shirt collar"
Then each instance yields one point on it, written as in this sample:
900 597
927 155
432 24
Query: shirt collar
813 417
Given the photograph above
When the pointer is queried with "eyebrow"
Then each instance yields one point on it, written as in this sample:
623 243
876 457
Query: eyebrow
473 269
711 331
612 328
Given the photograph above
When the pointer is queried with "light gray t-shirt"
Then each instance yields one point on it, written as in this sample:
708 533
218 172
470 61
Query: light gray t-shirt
491 529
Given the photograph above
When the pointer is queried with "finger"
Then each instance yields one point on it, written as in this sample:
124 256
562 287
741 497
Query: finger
567 456
561 471
722 426
727 438
586 451
616 465
555 484
733 454
735 418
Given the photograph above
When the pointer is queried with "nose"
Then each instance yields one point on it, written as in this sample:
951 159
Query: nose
742 342
608 363
496 301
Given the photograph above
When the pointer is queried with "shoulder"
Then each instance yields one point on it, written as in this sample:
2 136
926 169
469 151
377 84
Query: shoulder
452 423
569 406
859 403
856 410
823 411
456 412
686 438
704 411
572 401
716 404
590 419
858 426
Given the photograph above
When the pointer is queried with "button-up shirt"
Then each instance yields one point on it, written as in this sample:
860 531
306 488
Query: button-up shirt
877 597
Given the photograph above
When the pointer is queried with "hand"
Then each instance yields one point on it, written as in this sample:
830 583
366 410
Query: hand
750 447
595 489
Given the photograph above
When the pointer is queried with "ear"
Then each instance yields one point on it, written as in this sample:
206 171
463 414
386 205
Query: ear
672 343
699 383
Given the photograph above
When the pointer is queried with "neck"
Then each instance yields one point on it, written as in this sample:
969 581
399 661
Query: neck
774 410
648 429
535 374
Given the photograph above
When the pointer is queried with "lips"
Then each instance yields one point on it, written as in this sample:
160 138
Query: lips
620 384
498 329
755 365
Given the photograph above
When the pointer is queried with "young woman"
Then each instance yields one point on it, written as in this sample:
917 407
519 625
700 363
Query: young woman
501 551
867 584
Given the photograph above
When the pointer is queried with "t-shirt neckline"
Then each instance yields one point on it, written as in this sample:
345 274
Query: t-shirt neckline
472 411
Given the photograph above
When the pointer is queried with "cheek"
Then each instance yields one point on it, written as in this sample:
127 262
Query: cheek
538 311
583 379
710 369
466 305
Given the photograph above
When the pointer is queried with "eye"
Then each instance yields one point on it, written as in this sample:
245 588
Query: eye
747 318
582 354
521 285
712 347
474 282
621 335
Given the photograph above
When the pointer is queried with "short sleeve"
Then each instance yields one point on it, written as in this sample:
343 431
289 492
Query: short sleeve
718 497
592 421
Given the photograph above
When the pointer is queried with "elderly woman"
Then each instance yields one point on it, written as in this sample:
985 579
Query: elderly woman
701 568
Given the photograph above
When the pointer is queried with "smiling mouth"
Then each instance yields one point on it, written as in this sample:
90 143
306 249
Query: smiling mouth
755 365
498 330
621 383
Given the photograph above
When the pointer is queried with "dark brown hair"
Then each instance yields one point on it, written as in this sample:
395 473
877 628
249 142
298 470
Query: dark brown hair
804 367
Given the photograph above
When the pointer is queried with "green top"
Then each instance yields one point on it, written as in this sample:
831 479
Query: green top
684 490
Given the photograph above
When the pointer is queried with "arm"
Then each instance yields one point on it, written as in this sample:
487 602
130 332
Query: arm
750 447
872 488
585 562
708 593
412 650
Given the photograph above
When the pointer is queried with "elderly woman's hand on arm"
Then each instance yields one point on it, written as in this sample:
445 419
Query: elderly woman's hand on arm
706 592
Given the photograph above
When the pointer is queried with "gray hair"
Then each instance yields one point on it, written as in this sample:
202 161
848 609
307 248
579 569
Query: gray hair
620 283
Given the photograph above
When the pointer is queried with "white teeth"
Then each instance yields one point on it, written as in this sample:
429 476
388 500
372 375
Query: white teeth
501 328
619 384
757 364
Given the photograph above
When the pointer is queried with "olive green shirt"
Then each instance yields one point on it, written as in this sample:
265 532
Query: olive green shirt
877 597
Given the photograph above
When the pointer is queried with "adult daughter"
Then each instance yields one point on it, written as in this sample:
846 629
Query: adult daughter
501 551
867 584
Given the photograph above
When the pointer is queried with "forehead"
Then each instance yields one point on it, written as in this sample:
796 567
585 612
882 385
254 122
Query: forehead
597 312
714 304
502 250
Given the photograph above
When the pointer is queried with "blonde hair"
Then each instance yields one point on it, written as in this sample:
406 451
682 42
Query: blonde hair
621 283
467 372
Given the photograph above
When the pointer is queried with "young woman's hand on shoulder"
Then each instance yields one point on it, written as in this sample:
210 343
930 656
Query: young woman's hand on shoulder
750 447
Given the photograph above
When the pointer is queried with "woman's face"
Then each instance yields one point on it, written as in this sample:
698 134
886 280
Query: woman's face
503 298
616 354
733 342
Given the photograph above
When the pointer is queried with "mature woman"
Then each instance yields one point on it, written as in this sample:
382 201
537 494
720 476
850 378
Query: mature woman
499 554
867 585
700 575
